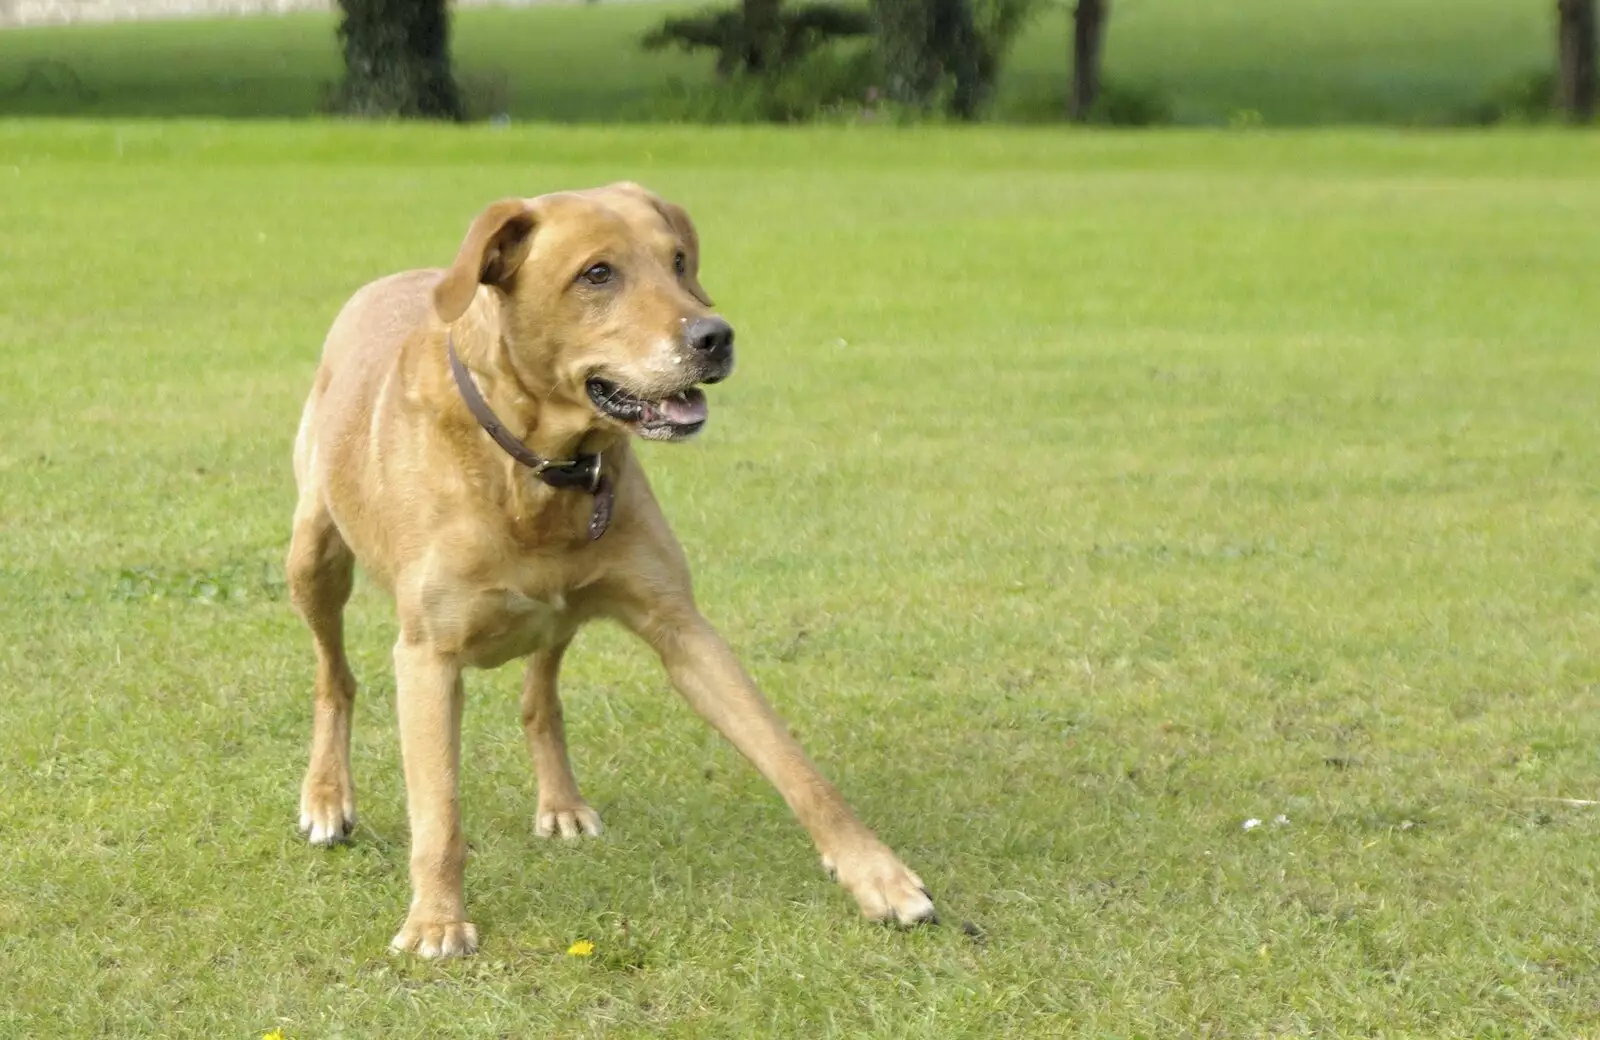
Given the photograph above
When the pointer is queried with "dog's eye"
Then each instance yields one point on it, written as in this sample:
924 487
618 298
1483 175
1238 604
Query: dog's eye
679 263
597 274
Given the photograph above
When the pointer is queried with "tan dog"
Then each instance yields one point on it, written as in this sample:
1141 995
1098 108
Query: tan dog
579 321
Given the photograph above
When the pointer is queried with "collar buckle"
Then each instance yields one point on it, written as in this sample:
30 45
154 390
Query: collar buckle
582 471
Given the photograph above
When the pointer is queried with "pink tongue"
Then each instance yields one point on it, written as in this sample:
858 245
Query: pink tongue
683 408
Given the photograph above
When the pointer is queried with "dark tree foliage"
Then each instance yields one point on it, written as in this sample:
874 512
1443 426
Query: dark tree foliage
397 60
1578 41
931 50
762 36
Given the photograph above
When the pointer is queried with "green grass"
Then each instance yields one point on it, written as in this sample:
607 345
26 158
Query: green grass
1307 62
1077 498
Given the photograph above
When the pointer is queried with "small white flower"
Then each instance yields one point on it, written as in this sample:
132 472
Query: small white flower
1251 824
1280 820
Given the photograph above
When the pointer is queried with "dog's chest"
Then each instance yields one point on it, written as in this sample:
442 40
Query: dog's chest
504 624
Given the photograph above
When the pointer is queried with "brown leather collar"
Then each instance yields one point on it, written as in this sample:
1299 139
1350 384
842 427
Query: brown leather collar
580 471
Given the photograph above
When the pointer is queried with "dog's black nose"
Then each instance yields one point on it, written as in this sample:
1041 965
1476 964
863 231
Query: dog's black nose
710 336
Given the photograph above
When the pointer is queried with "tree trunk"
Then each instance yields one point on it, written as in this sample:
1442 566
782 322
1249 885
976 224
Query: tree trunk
397 60
762 29
929 46
964 56
910 72
1088 42
1578 42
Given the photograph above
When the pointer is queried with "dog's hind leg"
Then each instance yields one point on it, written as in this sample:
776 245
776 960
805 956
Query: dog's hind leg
321 572
562 809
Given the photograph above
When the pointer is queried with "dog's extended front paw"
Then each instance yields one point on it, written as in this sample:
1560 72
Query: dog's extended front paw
327 809
571 820
432 939
886 889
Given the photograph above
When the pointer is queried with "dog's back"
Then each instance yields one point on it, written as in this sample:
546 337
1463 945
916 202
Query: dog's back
360 358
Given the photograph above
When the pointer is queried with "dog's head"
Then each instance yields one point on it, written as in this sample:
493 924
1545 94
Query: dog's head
600 305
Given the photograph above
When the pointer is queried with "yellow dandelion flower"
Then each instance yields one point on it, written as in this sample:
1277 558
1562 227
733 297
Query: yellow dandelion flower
276 1034
581 948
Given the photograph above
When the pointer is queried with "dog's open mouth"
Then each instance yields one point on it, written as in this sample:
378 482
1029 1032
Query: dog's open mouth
665 418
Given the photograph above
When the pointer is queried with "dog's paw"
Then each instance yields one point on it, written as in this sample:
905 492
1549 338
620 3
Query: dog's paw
885 888
433 939
568 821
327 810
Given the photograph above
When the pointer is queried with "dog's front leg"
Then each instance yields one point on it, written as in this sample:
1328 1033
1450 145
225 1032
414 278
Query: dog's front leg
708 675
429 699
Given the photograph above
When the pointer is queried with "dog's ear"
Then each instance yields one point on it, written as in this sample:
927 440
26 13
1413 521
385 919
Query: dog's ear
678 219
495 247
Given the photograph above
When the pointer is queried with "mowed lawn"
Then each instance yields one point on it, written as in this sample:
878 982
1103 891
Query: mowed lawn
1305 62
1077 498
